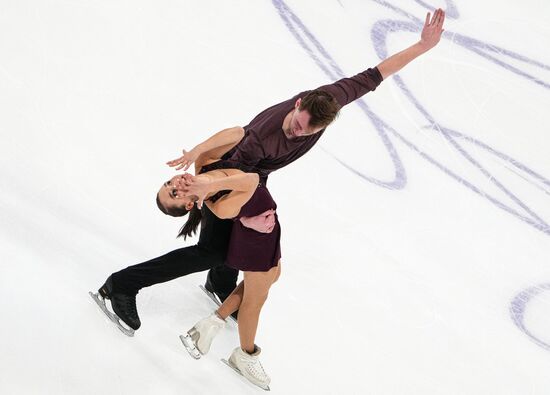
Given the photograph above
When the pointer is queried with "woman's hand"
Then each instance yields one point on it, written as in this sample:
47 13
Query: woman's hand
185 161
263 223
199 186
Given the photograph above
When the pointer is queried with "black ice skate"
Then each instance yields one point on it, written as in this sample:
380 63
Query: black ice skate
124 307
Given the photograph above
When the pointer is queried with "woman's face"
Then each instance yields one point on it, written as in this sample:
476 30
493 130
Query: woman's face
171 193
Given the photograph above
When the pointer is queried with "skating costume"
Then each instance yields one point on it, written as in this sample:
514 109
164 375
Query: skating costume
250 250
266 148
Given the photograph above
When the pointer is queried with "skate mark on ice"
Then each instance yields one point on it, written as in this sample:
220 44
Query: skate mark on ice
518 306
379 33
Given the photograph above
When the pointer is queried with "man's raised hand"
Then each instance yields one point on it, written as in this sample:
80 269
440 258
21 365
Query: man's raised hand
433 28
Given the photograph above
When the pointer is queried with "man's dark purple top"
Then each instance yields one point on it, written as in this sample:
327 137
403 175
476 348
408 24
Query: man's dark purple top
265 147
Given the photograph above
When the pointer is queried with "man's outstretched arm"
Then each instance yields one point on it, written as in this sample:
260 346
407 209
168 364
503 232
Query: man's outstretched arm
431 34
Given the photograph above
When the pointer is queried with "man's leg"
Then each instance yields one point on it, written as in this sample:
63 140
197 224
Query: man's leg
174 264
121 287
221 280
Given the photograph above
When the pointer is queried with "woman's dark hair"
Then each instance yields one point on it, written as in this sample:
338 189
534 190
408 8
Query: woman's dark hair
192 223
190 227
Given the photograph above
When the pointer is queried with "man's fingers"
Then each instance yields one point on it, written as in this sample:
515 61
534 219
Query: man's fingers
442 18
427 19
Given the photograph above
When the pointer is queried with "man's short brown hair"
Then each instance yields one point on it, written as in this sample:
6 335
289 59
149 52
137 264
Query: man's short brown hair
322 107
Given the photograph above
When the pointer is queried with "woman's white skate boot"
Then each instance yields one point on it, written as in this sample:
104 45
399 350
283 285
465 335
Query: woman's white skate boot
199 338
250 367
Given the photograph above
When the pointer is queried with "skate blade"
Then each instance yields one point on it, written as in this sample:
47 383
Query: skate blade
111 316
236 370
215 299
190 346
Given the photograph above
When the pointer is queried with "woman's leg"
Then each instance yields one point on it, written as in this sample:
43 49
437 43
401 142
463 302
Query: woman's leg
232 302
256 289
199 338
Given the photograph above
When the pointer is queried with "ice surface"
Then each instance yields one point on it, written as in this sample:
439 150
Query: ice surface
416 244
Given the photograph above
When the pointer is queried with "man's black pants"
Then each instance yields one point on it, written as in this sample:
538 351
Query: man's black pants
209 253
177 263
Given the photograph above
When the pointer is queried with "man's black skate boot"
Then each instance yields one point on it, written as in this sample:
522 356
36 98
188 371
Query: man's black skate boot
221 295
106 289
123 305
210 288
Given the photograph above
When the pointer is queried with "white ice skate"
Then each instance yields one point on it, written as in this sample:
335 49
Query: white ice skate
249 366
199 338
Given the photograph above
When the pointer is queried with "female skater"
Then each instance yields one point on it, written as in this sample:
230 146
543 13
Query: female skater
256 254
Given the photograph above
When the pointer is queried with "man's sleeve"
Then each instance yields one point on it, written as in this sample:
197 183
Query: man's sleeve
249 151
349 89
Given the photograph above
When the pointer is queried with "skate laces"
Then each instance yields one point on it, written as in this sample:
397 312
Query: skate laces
256 369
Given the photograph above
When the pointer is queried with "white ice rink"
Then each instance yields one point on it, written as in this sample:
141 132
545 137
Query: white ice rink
416 237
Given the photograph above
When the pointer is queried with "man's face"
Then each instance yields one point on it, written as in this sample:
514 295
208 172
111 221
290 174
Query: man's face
299 124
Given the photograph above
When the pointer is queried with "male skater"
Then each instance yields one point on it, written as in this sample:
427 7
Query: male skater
274 138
